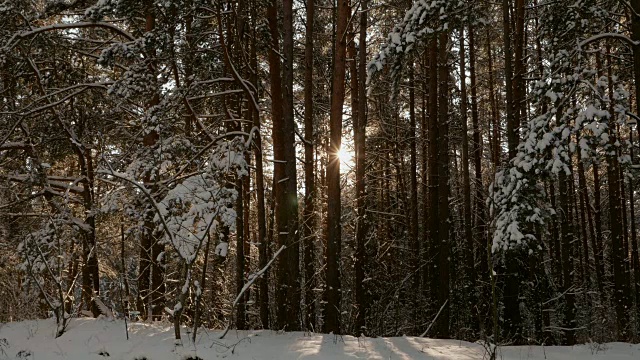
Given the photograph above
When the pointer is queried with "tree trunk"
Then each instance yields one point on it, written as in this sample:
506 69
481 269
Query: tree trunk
203 280
309 174
466 181
286 202
635 262
495 145
240 256
432 167
288 222
599 250
263 282
520 70
424 274
360 148
334 233
616 227
585 206
151 276
479 222
413 197
635 259
566 230
441 326
512 130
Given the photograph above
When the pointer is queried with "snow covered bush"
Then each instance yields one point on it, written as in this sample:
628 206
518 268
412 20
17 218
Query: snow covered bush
202 202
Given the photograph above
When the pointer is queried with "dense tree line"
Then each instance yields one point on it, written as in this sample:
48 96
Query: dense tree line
453 169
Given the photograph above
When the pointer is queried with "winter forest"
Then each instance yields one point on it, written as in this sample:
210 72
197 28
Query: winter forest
448 169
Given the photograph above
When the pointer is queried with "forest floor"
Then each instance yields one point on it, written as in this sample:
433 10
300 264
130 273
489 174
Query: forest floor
106 339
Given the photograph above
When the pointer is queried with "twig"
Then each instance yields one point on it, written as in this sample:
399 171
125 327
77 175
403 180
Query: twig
248 285
435 318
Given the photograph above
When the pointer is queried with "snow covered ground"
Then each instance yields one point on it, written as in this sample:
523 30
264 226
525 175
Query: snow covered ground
104 339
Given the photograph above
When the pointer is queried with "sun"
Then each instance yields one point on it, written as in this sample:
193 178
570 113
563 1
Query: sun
346 158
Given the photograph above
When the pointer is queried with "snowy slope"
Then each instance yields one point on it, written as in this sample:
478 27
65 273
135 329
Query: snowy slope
103 339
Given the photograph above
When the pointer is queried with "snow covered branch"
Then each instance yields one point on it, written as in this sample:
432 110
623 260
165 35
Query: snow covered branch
62 26
616 36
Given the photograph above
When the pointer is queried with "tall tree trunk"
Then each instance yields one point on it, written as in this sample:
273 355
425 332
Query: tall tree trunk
413 197
286 202
635 262
615 223
432 166
240 256
151 277
599 250
512 316
479 212
334 234
466 180
586 204
625 227
567 260
441 326
519 82
242 183
278 142
425 186
309 174
90 271
263 282
512 130
495 145
578 226
586 235
355 116
360 149
635 35
123 274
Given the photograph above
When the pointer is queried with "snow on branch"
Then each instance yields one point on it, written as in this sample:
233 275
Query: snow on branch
424 20
598 37
200 202
62 26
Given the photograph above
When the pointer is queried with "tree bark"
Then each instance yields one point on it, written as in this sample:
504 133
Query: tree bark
263 282
151 276
441 326
240 256
495 145
334 233
480 224
432 167
466 180
309 174
360 149
413 197
616 228
520 70
512 130
635 259
567 260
